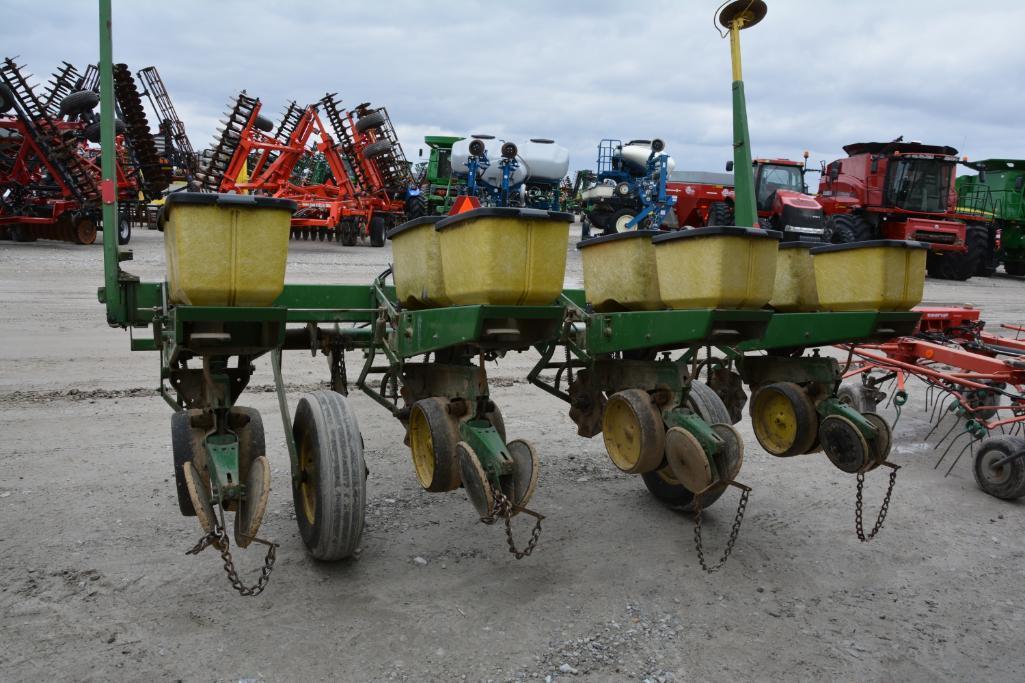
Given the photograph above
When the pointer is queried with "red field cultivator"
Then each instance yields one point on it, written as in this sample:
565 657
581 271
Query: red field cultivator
49 171
367 180
975 389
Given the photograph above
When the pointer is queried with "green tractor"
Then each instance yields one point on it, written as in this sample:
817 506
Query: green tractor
436 182
997 193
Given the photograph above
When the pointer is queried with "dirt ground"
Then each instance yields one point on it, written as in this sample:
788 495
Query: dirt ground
95 585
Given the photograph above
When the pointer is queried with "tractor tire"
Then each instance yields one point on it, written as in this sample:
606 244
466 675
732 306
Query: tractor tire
79 102
348 234
1014 267
330 492
990 259
720 213
618 220
845 228
376 149
416 207
124 230
961 266
6 98
263 123
92 131
377 231
374 119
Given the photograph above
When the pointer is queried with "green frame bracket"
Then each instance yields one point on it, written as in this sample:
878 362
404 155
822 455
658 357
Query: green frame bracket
762 370
833 406
222 461
702 431
671 329
487 443
823 328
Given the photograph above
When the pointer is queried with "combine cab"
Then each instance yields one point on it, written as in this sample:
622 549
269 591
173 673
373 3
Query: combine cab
904 191
997 194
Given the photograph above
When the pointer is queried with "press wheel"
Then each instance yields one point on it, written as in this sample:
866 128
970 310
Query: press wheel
731 453
475 481
884 437
522 483
250 510
845 445
199 493
784 419
688 461
633 431
433 436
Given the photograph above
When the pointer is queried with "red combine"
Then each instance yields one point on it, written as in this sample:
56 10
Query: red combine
780 196
903 190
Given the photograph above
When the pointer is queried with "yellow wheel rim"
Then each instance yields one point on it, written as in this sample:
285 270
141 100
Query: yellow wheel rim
422 445
775 421
308 484
622 429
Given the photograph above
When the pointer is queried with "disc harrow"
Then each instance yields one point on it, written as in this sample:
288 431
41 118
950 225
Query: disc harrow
155 176
235 122
62 84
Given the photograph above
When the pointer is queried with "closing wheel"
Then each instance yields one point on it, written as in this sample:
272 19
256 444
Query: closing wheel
250 510
478 490
520 486
1007 479
433 436
199 494
784 419
634 432
688 460
730 458
845 445
330 490
884 437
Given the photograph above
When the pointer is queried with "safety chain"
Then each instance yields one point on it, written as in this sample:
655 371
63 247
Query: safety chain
218 538
745 491
505 509
883 509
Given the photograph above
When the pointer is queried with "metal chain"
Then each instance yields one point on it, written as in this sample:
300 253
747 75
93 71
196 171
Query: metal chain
218 538
883 509
734 532
505 509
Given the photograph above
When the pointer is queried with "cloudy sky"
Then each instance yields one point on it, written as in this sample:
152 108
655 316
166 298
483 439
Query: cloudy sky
819 74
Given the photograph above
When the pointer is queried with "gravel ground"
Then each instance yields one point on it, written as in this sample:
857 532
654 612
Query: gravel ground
95 585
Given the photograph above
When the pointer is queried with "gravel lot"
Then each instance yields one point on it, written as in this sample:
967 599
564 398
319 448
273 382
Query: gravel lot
94 582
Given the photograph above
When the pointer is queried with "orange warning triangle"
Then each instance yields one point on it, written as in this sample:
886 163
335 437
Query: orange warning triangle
464 203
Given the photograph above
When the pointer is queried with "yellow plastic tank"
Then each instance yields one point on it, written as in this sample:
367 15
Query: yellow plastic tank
416 259
225 249
795 279
620 272
504 256
718 267
879 275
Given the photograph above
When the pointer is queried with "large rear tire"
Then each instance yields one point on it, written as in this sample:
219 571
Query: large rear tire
331 490
416 206
377 230
720 213
845 228
963 265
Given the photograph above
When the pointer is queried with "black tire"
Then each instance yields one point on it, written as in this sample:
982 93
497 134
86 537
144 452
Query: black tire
981 397
765 224
6 98
377 230
857 396
92 131
331 490
845 228
990 260
432 430
263 123
182 449
961 266
1006 482
124 230
374 119
720 213
348 236
617 218
251 440
376 149
78 102
416 206
23 233
710 408
1014 267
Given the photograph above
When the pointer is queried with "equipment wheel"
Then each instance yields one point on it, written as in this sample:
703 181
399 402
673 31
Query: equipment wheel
124 230
784 419
416 206
731 455
23 233
348 228
961 266
618 220
844 228
433 436
331 487
977 398
1005 481
633 431
263 123
845 445
720 213
250 511
183 447
478 489
522 483
376 149
6 98
377 230
688 461
199 493
79 102
857 396
374 119
85 230
884 437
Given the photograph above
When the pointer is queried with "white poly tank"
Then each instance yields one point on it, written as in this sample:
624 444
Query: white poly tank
635 157
542 161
